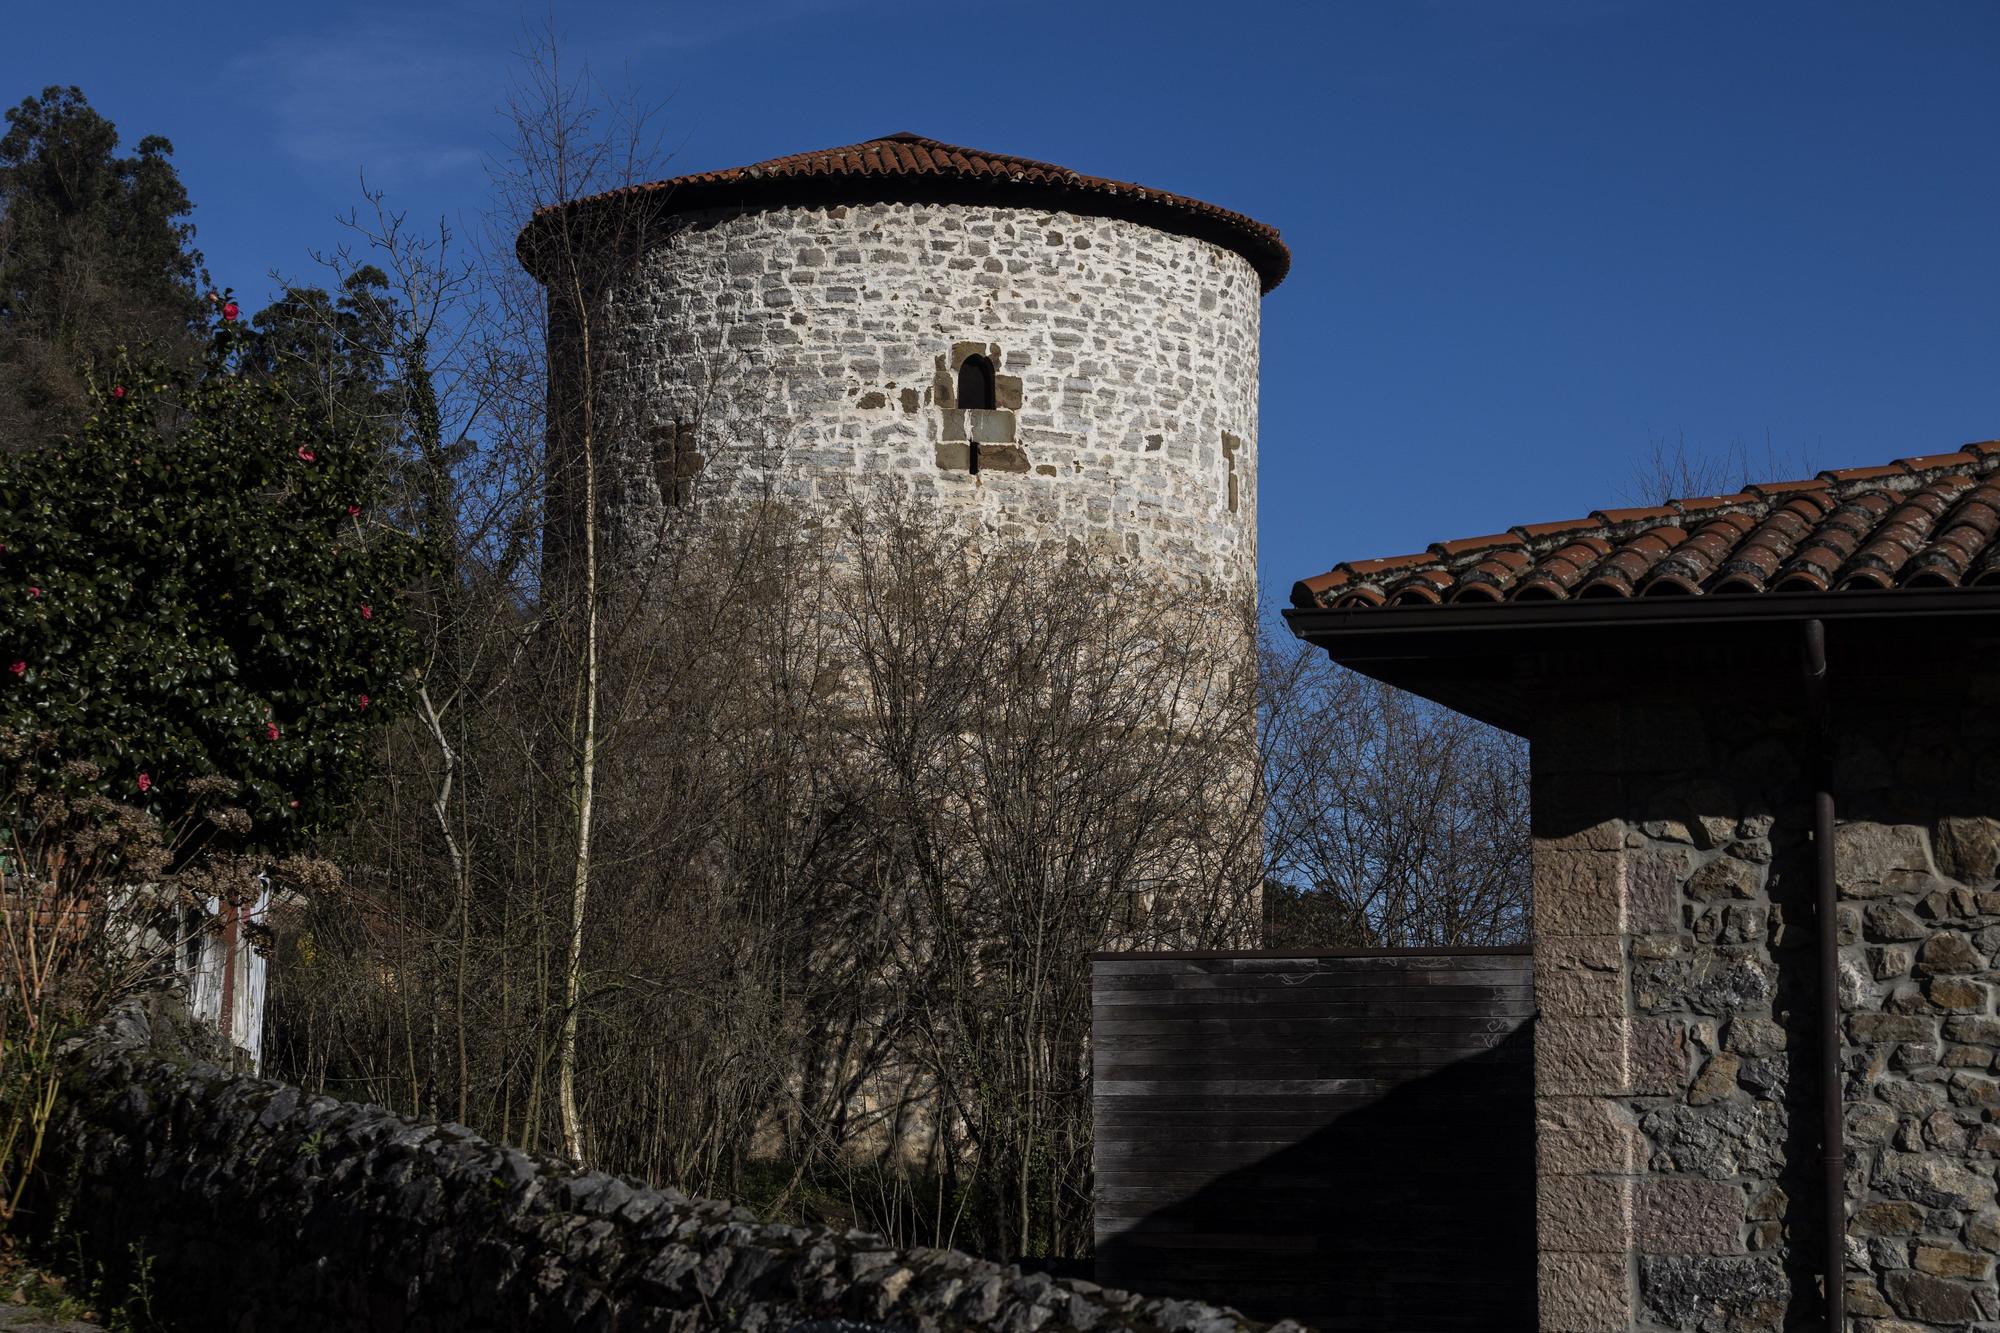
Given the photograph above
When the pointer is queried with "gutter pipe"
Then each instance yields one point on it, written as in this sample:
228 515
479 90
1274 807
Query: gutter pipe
1833 1146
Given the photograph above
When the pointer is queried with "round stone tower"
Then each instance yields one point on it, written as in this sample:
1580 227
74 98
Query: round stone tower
1035 353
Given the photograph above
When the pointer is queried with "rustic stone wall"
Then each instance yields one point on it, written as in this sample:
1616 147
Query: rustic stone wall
256 1207
811 354
1676 1081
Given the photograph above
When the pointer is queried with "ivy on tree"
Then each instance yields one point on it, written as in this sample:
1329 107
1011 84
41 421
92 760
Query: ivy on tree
197 584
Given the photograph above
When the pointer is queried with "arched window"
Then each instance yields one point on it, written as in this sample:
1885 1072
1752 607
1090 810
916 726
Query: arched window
975 384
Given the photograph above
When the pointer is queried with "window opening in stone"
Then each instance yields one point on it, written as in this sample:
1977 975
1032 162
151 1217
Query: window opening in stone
975 384
675 463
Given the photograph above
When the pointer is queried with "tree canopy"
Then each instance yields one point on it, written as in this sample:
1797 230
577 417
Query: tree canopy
96 251
198 584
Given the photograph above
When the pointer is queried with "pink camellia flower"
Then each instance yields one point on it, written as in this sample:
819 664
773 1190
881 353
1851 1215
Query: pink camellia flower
33 591
305 454
19 668
367 611
145 783
117 391
270 731
364 701
229 310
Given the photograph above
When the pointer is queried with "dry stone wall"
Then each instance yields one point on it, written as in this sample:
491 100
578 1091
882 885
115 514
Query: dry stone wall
1677 1085
257 1207
811 354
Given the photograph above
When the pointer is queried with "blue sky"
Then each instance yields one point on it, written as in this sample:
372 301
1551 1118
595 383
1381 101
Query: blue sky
1530 237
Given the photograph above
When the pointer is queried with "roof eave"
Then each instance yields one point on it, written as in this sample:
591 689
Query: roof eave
1256 243
1454 620
1484 659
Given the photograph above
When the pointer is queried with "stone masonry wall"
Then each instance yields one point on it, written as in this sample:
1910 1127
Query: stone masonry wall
259 1208
810 353
1676 1081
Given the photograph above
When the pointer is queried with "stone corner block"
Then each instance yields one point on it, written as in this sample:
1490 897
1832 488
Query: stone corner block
1585 1136
1584 1293
1580 1057
1580 976
1578 892
1583 1214
1603 835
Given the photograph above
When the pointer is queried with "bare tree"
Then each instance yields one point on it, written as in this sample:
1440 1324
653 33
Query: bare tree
1069 764
571 143
1391 821
1671 470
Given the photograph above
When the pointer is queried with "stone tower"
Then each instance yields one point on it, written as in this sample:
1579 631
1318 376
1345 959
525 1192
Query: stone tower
1033 352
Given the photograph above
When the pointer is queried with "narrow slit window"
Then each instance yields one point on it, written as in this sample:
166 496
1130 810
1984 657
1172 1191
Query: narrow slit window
975 384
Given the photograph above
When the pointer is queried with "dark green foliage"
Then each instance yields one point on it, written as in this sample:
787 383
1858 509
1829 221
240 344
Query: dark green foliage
95 252
333 352
199 584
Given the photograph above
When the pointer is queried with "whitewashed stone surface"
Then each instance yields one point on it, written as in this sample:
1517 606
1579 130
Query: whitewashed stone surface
807 353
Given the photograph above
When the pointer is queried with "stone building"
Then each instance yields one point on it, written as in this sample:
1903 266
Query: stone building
1025 350
1019 353
1765 738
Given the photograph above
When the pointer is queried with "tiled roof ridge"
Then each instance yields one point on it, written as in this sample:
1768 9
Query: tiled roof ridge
1923 521
937 152
915 157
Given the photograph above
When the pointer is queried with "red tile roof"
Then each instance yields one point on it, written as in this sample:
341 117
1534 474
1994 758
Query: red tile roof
908 165
1917 522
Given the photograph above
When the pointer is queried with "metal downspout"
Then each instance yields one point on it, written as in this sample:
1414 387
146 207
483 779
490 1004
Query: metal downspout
1833 1155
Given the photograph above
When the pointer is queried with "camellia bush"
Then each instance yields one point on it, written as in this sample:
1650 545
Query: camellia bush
199 585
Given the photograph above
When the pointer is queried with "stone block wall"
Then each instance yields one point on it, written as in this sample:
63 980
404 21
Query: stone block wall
256 1208
810 354
1677 1086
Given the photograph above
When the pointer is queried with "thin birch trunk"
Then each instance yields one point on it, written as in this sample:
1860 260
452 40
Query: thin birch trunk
584 788
461 873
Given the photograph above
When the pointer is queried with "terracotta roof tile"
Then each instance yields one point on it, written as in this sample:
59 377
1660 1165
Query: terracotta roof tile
1960 459
1623 517
1880 473
1467 545
1987 572
1969 529
908 165
1772 489
1532 532
1389 564
1491 577
1932 521
1710 504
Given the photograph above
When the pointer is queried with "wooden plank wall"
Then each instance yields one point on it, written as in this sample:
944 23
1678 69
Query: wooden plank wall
1344 1139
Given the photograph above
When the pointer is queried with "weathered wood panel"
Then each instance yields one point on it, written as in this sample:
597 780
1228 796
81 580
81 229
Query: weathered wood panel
1345 1139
